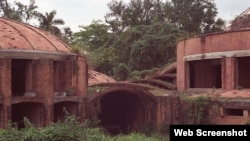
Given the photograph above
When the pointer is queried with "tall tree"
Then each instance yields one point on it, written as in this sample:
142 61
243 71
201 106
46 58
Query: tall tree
155 46
27 12
18 11
195 16
94 35
94 39
48 22
8 10
136 12
67 35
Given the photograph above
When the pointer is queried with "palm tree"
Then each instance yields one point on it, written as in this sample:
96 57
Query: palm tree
26 12
48 22
18 11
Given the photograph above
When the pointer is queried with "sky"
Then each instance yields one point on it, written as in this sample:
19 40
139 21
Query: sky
83 12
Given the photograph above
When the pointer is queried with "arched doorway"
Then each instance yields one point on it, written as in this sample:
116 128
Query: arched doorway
123 111
34 112
63 108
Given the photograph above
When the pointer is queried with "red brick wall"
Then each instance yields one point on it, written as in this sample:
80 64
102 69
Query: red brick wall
82 79
167 111
62 75
181 67
229 120
5 75
5 89
228 73
227 41
212 43
44 78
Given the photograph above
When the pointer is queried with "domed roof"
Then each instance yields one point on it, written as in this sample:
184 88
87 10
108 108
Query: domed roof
241 21
20 37
95 77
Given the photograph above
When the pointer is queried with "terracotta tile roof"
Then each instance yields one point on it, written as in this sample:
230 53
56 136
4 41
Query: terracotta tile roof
95 77
20 36
241 21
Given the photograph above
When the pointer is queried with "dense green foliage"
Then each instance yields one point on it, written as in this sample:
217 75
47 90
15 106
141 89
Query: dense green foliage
154 47
142 35
136 37
69 130
195 16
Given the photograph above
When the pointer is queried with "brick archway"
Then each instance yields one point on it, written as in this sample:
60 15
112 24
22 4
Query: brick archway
123 109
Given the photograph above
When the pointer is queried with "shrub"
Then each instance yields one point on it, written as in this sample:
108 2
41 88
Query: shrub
69 129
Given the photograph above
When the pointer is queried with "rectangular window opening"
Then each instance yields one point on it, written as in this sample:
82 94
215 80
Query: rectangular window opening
233 112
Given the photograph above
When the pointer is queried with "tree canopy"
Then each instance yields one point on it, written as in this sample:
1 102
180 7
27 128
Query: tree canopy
135 36
25 13
48 22
18 11
193 16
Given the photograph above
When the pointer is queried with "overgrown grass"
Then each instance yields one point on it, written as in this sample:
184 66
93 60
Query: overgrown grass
69 130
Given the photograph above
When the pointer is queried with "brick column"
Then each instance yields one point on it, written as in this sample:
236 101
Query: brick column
44 86
82 77
228 73
49 112
5 89
5 78
68 73
44 78
181 68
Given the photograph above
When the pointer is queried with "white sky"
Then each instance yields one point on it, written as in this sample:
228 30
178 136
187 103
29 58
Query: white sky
83 12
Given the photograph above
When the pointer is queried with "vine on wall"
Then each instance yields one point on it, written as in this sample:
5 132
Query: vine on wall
196 109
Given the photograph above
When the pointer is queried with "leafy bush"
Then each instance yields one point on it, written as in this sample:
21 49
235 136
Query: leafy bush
68 130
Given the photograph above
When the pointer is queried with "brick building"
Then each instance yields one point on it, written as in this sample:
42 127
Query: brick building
39 76
218 63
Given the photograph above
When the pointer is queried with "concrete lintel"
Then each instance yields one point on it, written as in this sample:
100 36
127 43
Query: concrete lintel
17 100
216 55
31 54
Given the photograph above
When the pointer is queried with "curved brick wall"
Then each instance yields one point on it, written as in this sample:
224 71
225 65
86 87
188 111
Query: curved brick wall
223 46
220 42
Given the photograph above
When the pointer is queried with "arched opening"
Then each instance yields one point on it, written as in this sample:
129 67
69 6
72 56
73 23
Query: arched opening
33 111
63 108
124 111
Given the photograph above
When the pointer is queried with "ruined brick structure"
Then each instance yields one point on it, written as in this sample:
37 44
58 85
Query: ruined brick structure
39 76
135 105
212 65
218 61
